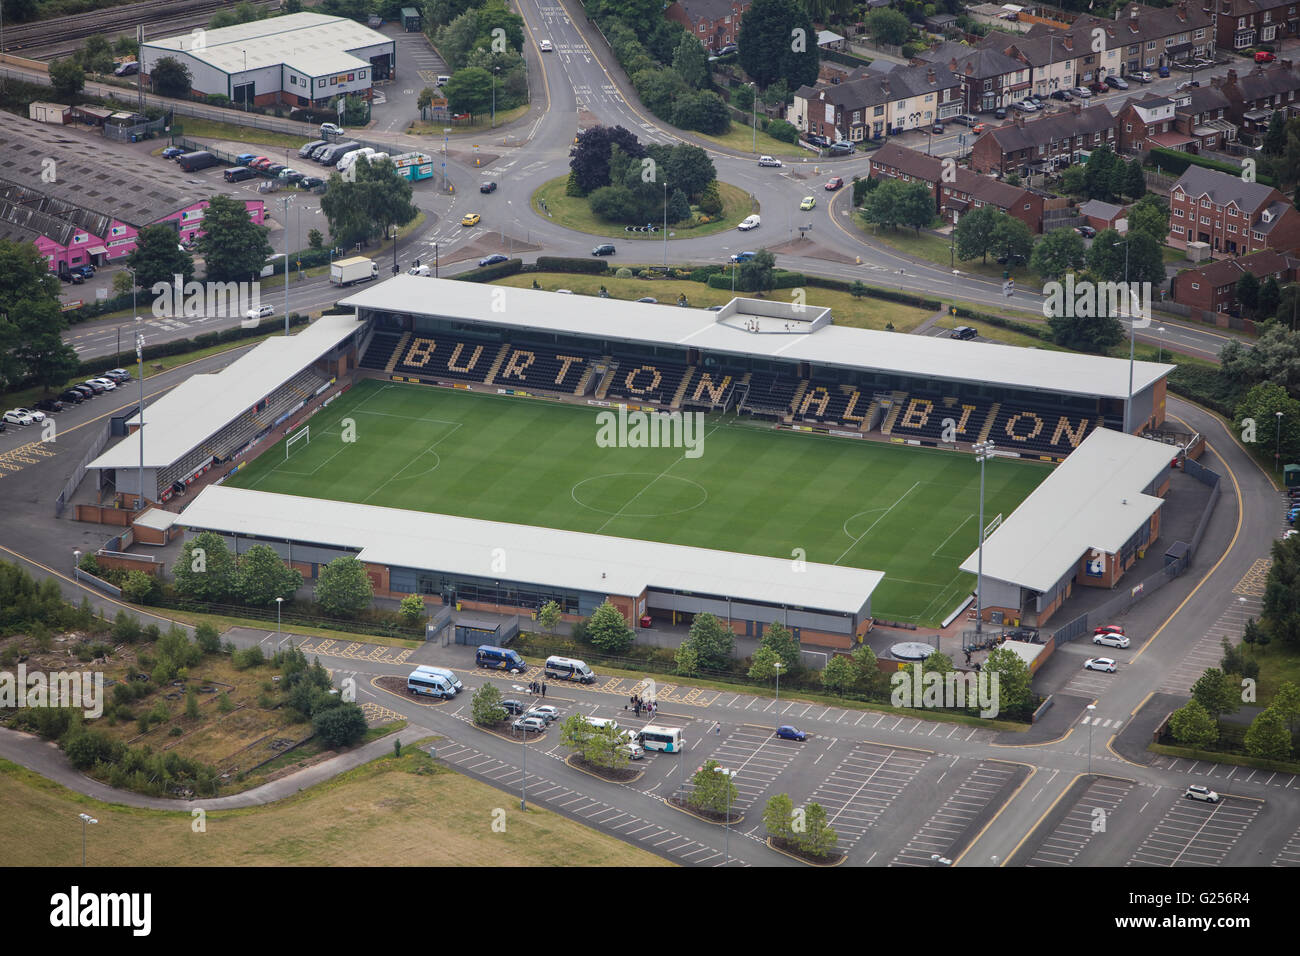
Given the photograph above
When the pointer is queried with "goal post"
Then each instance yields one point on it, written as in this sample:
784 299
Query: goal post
301 436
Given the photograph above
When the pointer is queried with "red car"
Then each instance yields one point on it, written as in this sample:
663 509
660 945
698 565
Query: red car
835 183
260 163
1110 629
1264 56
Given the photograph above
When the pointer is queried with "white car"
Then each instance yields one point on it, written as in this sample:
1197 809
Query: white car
748 223
546 46
36 416
1142 76
1198 792
330 129
1082 92
544 710
16 417
634 751
1027 106
535 724
1100 664
260 312
768 161
1111 640
108 383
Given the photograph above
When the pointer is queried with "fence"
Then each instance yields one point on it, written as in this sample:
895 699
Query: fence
137 132
70 487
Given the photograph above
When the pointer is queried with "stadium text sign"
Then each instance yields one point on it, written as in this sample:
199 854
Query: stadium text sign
638 429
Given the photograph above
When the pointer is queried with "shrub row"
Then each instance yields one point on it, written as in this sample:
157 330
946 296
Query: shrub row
781 280
488 273
591 265
180 346
1172 161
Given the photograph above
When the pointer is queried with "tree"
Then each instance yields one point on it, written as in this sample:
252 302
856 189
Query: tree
412 610
818 838
31 320
67 78
485 705
1192 725
469 91
1059 252
1270 296
888 27
1011 238
340 726
1097 173
97 54
870 679
1275 358
1136 182
1150 215
763 664
344 588
691 62
598 746
233 246
549 616
1275 138
1072 180
1015 693
861 187
1260 407
1215 693
607 629
125 46
207 638
686 660
192 702
711 200
690 169
770 47
756 273
884 204
591 154
659 89
170 77
712 641
205 569
839 674
701 111
712 788
367 206
974 231
1247 292
138 587
1268 737
742 97
158 258
1137 258
777 817
1287 703
777 637
679 209
915 206
262 576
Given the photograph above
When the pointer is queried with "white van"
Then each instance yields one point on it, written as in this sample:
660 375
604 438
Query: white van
443 672
600 722
429 685
568 668
444 80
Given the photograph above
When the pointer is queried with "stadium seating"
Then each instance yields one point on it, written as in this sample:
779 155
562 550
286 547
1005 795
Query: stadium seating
709 389
770 394
923 416
829 404
543 369
652 381
380 350
446 356
1040 431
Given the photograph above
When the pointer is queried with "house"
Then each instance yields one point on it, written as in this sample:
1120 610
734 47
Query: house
1036 146
1052 56
1213 286
715 23
1253 98
871 106
1202 114
1247 23
966 190
1102 215
1150 122
941 23
990 79
1231 216
829 40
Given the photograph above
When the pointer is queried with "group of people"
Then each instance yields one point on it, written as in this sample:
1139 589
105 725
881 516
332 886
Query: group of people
638 704
537 687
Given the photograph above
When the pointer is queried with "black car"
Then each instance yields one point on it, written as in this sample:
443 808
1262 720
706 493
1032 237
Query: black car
1062 95
604 249
962 332
49 405
95 387
488 188
76 278
310 182
492 260
513 707
820 141
238 174
73 397
85 391
1000 113
1016 260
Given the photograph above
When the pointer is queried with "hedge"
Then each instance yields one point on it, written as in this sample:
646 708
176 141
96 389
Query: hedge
488 273
591 265
1043 332
782 280
1172 161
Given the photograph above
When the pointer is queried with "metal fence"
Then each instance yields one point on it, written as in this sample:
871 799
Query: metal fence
135 132
70 487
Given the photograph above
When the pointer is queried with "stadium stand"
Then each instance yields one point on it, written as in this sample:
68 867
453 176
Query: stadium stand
708 389
923 416
448 357
841 405
381 348
769 394
540 369
646 382
1027 429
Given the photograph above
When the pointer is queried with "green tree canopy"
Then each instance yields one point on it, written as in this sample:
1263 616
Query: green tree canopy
234 247
344 588
777 41
712 788
691 61
1268 737
974 231
839 674
262 576
205 568
157 257
1059 252
340 726
607 629
1192 725
171 77
485 705
712 641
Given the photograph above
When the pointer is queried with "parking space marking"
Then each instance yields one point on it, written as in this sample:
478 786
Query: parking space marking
1193 833
1071 836
757 758
942 833
863 785
1208 650
1289 855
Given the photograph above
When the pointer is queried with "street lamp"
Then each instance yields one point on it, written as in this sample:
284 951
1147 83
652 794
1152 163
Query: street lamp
665 224
278 601
777 667
754 114
86 819
523 779
445 131
134 289
983 452
1132 341
245 79
396 269
1277 448
285 200
726 852
1160 354
76 565
139 355
495 71
955 274
1091 709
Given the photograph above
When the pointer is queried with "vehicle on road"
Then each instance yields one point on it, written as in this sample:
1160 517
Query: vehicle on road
979 128
964 119
261 312
331 129
604 249
546 47
492 260
936 128
834 183
1198 792
1106 664
526 724
841 148
568 668
429 685
1099 87
749 222
489 655
488 187
787 732
1163 71
655 737
1142 76
1000 113
768 161
1109 629
356 269
809 202
1111 640
1264 56
742 256
963 332
470 219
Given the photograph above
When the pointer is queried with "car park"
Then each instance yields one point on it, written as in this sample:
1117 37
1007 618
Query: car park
1105 664
488 187
834 183
768 161
1198 792
749 222
72 396
809 202
546 47
492 260
962 332
330 129
1111 640
604 249
1142 76
16 416
535 724
787 732
470 219
742 256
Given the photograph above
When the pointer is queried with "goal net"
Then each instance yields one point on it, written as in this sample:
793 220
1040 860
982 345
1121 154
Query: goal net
302 437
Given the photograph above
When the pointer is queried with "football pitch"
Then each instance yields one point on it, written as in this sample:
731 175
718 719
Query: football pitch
907 511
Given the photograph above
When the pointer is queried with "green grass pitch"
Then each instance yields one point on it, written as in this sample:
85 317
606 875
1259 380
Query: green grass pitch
907 511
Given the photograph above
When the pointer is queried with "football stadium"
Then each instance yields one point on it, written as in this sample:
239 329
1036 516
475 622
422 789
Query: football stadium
499 447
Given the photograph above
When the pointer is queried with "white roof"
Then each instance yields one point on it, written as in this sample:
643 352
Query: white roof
827 36
311 43
157 518
543 556
1093 500
921 356
204 404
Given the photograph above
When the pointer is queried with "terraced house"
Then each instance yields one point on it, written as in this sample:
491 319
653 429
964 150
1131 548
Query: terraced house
1232 217
1253 98
872 106
715 23
1247 23
1037 146
1213 287
989 78
1190 121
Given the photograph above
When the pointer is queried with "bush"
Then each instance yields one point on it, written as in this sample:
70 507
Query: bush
571 264
785 132
623 273
489 273
340 726
248 657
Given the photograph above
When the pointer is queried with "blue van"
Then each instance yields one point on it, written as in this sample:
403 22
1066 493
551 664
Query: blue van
500 657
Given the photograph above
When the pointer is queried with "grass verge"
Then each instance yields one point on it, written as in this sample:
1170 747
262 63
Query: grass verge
740 139
572 212
192 127
431 128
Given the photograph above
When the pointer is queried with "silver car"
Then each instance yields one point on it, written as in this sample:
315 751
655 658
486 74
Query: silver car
535 724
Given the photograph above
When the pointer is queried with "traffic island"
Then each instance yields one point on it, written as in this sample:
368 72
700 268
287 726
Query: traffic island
397 687
793 851
700 813
610 774
574 212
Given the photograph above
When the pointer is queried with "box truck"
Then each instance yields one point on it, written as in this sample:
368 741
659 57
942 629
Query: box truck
356 269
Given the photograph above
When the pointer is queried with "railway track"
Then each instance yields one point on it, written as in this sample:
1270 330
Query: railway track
47 39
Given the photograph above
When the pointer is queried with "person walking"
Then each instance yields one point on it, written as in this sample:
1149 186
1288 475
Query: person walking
543 690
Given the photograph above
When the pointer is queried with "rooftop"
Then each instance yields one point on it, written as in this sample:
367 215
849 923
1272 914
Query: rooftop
543 556
532 310
1223 188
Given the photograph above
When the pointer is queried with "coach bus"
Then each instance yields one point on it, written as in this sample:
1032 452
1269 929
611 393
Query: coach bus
668 739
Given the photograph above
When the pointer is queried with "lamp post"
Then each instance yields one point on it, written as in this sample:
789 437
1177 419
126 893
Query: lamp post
955 274
1132 341
134 308
285 200
1160 354
777 667
396 269
445 131
665 224
523 779
1277 448
76 565
495 71
726 852
1091 709
86 819
245 79
754 115
139 355
278 601
733 276
983 452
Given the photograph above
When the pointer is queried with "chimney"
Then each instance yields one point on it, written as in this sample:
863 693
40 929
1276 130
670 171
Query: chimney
931 77
1284 64
1068 41
1232 76
1133 12
1020 120
1182 10
1076 107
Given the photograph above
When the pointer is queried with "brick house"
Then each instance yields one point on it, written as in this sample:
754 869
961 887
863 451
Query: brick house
1028 147
1254 97
1102 215
1149 122
1247 23
1233 217
968 191
715 23
1213 286
990 79
872 106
